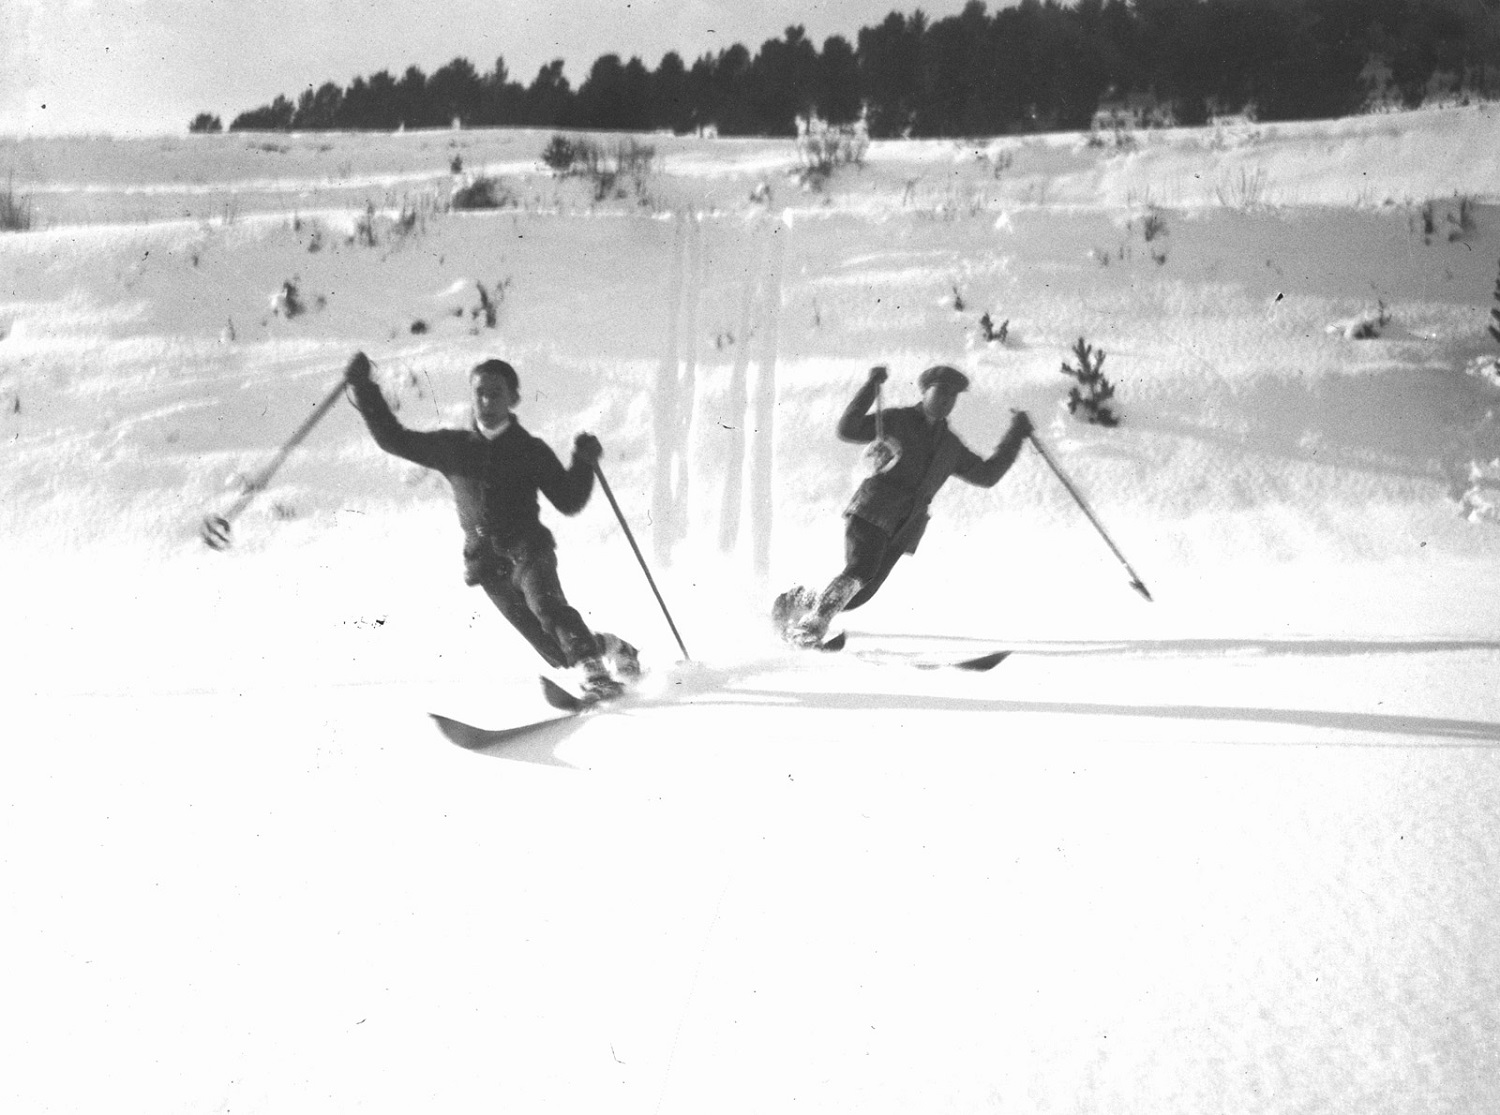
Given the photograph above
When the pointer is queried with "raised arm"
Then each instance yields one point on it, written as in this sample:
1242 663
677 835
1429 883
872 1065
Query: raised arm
986 472
857 423
569 488
420 447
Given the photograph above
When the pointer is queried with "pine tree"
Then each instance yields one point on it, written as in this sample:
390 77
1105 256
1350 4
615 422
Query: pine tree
1093 392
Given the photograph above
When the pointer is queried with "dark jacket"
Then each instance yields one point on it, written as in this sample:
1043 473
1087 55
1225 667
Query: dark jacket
495 482
896 500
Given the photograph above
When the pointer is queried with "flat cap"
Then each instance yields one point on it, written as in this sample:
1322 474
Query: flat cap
945 375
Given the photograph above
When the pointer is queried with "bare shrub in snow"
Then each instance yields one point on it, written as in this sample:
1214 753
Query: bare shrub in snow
287 301
488 309
560 154
1092 393
1459 218
1246 190
15 213
634 163
1115 140
1428 216
630 162
823 147
290 302
999 161
992 333
1462 219
364 228
1363 327
483 192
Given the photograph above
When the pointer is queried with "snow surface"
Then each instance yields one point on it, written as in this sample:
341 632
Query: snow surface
1235 850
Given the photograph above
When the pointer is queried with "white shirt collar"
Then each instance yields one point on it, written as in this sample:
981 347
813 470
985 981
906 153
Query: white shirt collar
490 433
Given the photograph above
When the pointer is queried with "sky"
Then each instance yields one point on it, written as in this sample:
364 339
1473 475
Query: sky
123 67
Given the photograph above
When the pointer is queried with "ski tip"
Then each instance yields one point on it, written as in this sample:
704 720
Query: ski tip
559 698
984 661
467 736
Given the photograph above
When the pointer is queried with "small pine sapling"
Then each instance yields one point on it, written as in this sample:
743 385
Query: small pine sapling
1093 391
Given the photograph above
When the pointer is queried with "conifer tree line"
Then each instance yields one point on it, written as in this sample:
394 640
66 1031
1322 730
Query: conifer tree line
1040 65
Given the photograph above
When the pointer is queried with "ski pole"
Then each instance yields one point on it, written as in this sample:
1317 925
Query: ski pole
1135 580
215 529
650 580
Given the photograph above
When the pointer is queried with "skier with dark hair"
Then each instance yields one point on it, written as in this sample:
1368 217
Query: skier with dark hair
496 468
913 456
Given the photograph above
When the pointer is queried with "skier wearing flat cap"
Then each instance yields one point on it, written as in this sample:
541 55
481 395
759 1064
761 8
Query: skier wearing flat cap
914 454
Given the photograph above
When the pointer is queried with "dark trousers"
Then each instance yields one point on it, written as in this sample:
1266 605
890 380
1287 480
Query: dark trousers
524 586
869 556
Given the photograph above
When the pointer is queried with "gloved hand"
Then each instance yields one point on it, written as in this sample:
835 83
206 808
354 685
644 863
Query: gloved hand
587 449
878 374
358 371
1021 425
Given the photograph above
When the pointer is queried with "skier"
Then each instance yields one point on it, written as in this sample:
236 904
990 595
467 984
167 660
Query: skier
916 452
495 468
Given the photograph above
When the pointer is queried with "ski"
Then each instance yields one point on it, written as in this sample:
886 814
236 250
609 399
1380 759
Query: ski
569 705
568 701
978 664
473 738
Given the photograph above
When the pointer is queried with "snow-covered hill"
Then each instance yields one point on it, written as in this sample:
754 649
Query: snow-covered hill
1234 849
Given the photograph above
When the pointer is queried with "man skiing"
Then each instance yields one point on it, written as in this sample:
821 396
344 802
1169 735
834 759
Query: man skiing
917 453
496 468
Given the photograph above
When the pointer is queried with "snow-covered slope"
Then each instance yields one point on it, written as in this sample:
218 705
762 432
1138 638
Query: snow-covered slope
1232 849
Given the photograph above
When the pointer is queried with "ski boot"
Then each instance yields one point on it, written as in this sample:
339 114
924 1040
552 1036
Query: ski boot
790 607
598 683
622 659
812 628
